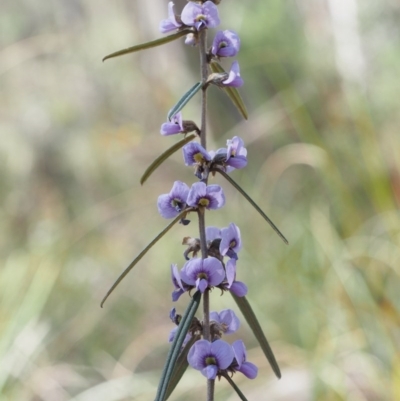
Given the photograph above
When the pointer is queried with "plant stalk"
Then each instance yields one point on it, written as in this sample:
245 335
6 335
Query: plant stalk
202 228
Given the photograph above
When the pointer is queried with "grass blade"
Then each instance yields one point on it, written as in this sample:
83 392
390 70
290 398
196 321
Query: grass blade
265 217
252 321
148 45
176 346
141 254
184 99
164 156
233 93
180 367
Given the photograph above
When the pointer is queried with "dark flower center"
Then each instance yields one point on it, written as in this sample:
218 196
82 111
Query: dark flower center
177 204
202 276
210 360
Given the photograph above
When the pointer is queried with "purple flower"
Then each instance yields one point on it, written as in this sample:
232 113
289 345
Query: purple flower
170 205
238 288
194 153
203 273
225 44
175 126
236 153
180 288
234 78
227 320
247 368
170 24
230 269
231 242
209 358
200 15
208 196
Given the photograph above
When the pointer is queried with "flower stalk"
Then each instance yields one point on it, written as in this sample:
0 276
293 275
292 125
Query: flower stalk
201 343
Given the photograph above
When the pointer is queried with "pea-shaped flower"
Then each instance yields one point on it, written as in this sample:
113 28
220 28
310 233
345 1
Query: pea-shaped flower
207 196
203 273
200 15
172 23
170 205
231 242
247 368
225 44
209 358
234 79
227 321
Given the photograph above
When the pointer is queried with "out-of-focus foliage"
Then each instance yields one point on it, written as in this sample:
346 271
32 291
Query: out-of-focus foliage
322 89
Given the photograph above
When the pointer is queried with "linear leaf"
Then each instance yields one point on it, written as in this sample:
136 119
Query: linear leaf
235 387
148 45
232 92
252 321
184 99
265 217
141 254
164 156
180 367
174 352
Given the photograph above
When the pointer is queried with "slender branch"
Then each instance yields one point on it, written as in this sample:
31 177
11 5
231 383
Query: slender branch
204 75
203 242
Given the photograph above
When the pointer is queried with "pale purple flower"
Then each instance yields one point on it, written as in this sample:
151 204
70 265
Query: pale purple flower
209 357
175 126
180 287
172 335
225 44
231 243
208 196
194 153
170 205
200 15
203 273
227 320
230 269
238 288
170 24
234 78
247 368
235 153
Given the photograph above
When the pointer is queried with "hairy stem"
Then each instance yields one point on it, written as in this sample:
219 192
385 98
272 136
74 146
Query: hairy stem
203 242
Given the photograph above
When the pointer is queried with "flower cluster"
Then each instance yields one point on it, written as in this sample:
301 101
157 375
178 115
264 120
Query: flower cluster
211 258
212 356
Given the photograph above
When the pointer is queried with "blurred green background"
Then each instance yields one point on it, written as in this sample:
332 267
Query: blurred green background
322 90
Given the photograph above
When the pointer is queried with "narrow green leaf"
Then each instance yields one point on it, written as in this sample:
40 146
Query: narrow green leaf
252 203
180 367
184 99
141 254
252 321
235 387
148 45
164 156
175 350
233 93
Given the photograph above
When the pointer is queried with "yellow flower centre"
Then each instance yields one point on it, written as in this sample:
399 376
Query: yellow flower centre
232 244
200 17
198 157
204 202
